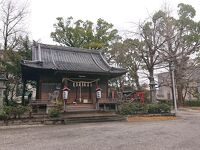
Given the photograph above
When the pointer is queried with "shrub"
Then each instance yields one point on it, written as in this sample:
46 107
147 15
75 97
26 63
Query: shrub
59 105
153 109
54 112
132 108
14 111
137 108
8 110
12 103
158 108
3 115
20 110
164 108
29 110
193 103
168 102
145 109
127 109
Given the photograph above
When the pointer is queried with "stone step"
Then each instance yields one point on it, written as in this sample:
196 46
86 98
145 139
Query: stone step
80 106
92 119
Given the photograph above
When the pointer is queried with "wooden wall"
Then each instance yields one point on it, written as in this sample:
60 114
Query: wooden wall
48 84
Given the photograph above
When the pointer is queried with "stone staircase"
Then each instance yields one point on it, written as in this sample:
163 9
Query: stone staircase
80 107
73 117
93 118
80 113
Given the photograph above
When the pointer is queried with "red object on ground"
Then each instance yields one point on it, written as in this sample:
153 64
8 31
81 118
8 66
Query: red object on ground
140 94
136 95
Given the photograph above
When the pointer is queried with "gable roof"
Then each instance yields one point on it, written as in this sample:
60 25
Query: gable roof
70 59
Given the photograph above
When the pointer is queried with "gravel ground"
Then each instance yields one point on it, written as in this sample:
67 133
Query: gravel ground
180 134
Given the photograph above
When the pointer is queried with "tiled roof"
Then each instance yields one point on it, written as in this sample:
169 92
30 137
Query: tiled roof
69 59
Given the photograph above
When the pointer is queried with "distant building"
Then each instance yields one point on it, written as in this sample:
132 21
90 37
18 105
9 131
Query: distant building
192 78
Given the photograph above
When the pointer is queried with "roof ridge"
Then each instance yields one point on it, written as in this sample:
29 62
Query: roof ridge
102 57
52 58
63 48
97 63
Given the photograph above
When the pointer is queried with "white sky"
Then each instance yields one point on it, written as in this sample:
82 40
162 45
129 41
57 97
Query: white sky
122 13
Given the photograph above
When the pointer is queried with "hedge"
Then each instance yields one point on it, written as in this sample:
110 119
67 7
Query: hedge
137 108
13 111
54 112
193 103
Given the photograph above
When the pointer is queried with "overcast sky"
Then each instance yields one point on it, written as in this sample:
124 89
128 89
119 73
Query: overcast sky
122 13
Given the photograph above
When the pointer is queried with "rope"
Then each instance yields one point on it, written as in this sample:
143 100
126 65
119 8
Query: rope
80 81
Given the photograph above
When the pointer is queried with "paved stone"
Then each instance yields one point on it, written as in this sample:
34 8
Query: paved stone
180 134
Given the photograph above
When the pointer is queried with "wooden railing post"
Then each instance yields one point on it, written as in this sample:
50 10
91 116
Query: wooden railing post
23 93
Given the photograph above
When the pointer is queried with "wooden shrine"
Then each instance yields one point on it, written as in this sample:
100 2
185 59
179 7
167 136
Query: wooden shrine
82 71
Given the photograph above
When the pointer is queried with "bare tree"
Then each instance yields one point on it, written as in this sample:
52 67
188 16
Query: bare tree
12 22
12 19
182 36
150 44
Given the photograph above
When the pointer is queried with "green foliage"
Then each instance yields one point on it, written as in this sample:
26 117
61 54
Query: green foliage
15 111
54 112
3 115
137 108
192 103
165 108
168 102
186 11
20 110
84 34
164 36
12 103
8 110
59 105
127 109
153 109
132 108
158 108
125 54
12 59
11 64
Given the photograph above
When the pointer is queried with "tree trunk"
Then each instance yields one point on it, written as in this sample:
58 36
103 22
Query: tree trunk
121 82
172 90
180 95
137 82
152 87
136 77
6 92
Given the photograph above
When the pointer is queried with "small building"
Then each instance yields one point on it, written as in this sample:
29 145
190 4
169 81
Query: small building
191 87
81 71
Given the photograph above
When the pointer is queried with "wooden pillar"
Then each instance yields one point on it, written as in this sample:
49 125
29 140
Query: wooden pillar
90 94
23 93
37 89
80 96
106 89
76 93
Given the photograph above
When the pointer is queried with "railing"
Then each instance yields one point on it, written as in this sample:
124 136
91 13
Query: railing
40 102
109 100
